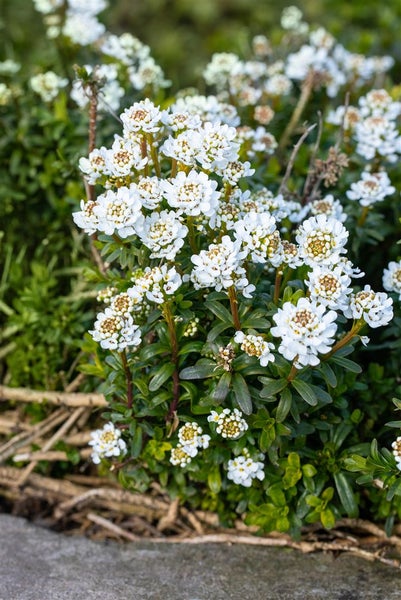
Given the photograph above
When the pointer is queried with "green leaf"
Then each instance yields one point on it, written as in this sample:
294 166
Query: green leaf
203 368
327 518
328 374
222 388
191 347
219 310
241 393
396 424
271 387
214 479
217 330
163 373
136 443
346 364
346 494
284 406
305 391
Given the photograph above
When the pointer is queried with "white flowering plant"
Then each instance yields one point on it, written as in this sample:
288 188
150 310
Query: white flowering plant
247 272
239 249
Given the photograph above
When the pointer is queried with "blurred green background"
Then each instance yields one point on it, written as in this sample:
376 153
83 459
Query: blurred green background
182 34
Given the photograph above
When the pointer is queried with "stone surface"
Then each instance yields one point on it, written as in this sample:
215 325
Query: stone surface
37 564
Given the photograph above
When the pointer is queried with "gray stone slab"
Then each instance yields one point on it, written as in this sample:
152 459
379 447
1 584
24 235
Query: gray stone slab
37 564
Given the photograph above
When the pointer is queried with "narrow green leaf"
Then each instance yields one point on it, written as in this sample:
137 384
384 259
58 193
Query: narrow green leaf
190 347
345 363
163 373
203 368
396 424
219 310
217 330
346 494
271 387
284 406
328 374
242 394
222 388
305 391
136 443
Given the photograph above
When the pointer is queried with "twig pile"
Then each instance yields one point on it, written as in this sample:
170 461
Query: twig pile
99 508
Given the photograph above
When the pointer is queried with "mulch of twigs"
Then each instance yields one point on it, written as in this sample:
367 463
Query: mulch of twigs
100 508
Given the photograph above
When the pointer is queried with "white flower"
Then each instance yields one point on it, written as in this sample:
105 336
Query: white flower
154 284
94 167
229 423
110 92
147 73
392 277
255 345
220 68
220 267
376 308
372 188
379 103
47 85
262 141
242 470
377 135
184 147
125 48
191 438
218 146
86 218
192 194
124 157
328 206
150 191
163 233
142 116
119 212
207 108
329 286
106 443
179 456
396 446
114 331
82 28
259 237
321 240
278 85
306 330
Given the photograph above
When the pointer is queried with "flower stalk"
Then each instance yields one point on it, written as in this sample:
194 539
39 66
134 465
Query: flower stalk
232 294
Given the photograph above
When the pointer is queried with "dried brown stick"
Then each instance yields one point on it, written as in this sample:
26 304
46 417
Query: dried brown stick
26 437
69 399
50 443
112 527
51 456
294 153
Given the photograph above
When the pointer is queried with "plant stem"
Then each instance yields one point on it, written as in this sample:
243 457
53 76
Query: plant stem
296 115
174 357
293 371
356 327
128 378
277 285
154 154
232 294
363 215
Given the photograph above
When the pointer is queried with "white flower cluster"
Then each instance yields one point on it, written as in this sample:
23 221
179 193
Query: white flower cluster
255 345
80 22
392 277
47 85
115 329
372 188
154 284
376 308
243 469
107 443
372 125
191 439
306 329
396 446
229 423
